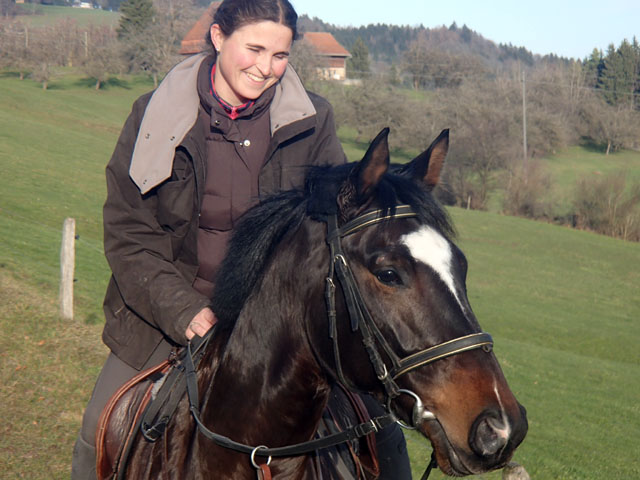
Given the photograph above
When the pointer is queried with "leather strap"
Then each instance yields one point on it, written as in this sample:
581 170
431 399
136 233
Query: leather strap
452 347
159 411
372 426
264 472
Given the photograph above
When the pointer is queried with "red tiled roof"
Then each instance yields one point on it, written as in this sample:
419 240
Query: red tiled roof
194 41
325 44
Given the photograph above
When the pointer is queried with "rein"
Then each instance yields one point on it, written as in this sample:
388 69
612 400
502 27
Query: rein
372 426
371 337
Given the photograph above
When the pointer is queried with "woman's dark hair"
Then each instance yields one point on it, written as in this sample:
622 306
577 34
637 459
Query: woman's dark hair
233 14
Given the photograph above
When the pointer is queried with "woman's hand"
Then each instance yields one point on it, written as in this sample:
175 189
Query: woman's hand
201 323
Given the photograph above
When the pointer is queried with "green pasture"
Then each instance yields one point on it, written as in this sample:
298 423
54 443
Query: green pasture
562 305
45 15
54 146
581 162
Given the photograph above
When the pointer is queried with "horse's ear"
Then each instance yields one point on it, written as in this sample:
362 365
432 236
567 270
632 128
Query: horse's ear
427 166
370 170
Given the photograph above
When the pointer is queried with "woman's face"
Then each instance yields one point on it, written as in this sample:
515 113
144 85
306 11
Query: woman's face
251 59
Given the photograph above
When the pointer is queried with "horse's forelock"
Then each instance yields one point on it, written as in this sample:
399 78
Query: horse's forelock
429 211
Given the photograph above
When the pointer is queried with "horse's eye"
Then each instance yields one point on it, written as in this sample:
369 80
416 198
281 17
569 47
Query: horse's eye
389 277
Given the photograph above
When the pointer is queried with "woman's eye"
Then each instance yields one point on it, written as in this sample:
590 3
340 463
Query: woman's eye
389 277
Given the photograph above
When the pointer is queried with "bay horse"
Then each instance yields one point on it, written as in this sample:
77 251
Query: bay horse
354 278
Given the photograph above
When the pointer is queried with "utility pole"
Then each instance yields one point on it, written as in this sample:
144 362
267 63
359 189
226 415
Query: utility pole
524 120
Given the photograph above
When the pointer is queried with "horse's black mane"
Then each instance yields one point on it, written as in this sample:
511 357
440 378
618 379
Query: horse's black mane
262 227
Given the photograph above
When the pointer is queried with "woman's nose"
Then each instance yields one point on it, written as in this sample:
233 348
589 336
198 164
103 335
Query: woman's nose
264 66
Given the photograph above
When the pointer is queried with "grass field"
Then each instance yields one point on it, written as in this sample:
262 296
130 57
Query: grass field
57 143
44 15
562 305
583 163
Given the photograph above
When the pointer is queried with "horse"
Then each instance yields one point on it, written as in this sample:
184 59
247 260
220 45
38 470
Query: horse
355 279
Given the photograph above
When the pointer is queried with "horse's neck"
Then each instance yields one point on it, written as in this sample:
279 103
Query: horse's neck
268 375
268 388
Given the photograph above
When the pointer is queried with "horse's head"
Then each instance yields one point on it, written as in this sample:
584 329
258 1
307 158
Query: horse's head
398 281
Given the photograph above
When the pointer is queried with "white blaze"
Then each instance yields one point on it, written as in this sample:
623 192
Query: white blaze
505 431
431 248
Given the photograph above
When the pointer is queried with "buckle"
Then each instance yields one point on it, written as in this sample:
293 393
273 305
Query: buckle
153 432
365 428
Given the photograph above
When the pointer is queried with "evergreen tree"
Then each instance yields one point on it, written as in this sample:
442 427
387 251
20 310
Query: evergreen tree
466 34
619 76
358 64
136 16
593 66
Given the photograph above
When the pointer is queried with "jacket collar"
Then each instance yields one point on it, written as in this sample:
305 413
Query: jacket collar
177 99
290 102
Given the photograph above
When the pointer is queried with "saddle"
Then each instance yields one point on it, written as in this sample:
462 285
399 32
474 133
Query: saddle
144 406
120 420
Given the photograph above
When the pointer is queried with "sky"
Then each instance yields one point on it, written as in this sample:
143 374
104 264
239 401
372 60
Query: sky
568 28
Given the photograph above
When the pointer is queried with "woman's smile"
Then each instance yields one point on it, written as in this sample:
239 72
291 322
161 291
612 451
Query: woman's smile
250 60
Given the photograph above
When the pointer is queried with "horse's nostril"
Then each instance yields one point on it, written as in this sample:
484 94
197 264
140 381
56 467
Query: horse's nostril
490 435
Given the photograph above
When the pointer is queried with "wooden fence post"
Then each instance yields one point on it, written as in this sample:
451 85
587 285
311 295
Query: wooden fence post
67 266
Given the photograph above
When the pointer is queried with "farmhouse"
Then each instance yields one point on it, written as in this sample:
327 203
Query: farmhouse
332 55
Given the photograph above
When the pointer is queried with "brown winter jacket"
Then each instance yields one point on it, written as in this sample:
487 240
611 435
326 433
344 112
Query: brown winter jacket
154 185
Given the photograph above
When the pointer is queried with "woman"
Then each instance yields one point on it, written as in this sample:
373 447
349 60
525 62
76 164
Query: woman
219 133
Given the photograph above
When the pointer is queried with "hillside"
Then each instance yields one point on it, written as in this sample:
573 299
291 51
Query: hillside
561 304
387 43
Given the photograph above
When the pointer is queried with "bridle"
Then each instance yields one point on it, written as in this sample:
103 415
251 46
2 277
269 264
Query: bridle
371 337
361 318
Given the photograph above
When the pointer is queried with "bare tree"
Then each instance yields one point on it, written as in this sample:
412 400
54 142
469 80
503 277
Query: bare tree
101 54
42 56
555 95
608 205
484 118
154 49
527 191
16 47
415 63
64 42
614 127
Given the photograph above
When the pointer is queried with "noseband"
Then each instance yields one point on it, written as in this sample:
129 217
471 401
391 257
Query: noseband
361 318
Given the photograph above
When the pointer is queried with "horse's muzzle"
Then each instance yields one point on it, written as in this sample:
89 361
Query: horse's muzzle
494 435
